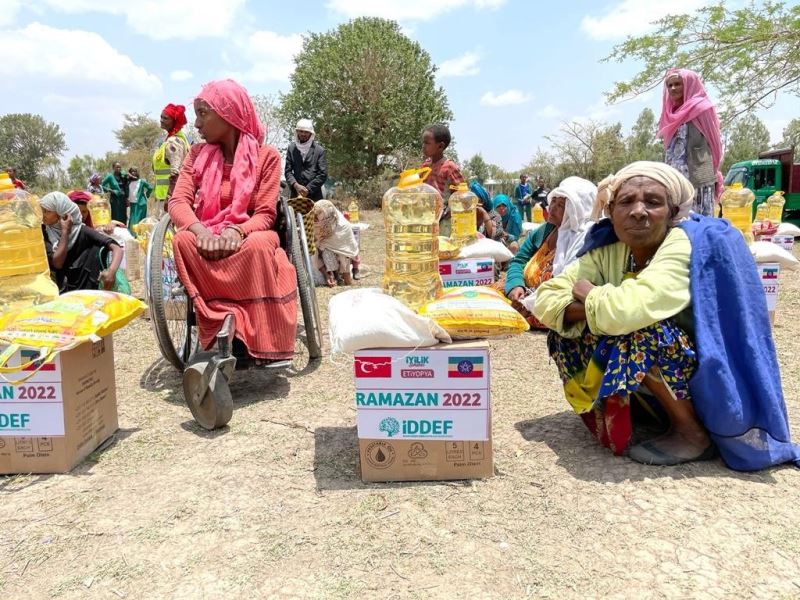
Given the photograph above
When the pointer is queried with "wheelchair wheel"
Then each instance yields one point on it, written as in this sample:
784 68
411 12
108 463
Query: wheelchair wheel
210 401
170 307
305 286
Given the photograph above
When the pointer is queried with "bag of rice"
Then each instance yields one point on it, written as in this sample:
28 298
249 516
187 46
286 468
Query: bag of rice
64 323
368 318
789 229
475 312
767 252
486 248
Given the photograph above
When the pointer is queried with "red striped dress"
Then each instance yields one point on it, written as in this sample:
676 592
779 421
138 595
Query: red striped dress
257 284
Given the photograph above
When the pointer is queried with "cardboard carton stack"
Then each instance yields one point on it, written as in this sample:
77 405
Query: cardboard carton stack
424 414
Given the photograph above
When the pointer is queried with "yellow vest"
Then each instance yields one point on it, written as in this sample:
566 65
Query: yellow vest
161 168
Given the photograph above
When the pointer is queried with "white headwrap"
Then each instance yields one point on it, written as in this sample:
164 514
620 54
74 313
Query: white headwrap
580 194
59 203
304 125
681 193
332 231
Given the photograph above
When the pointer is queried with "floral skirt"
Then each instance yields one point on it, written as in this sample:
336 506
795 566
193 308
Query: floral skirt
602 374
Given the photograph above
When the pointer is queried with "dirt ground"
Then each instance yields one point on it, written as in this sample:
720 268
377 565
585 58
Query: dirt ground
272 506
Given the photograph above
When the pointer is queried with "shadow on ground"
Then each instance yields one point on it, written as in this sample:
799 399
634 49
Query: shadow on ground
584 458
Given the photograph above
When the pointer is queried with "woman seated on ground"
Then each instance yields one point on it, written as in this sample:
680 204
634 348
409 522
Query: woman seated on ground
552 246
224 206
658 318
82 199
335 243
74 250
510 220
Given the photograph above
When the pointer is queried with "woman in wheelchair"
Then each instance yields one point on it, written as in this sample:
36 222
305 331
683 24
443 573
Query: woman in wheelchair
224 207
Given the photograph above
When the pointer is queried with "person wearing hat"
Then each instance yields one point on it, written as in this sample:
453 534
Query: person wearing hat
168 159
306 166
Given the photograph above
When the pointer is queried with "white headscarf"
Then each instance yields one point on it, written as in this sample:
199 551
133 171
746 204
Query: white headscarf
60 204
681 192
304 147
332 231
581 195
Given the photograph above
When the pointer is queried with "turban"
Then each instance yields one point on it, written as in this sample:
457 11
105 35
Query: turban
681 193
176 112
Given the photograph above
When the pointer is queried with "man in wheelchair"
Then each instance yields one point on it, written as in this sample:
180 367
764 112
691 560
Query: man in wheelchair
224 206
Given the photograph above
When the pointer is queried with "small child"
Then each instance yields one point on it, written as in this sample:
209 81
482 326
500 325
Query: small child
444 172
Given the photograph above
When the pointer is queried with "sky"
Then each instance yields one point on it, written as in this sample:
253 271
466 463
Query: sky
512 70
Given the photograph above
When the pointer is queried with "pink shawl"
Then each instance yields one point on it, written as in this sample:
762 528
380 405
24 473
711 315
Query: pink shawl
697 108
231 102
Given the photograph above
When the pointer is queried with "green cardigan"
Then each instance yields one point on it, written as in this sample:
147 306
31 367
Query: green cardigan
515 277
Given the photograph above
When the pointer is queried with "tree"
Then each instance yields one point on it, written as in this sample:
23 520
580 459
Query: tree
278 129
791 135
139 132
370 91
27 141
642 144
80 168
589 149
749 54
748 137
476 167
608 151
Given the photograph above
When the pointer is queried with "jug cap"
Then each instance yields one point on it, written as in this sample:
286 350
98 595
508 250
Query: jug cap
5 182
412 177
460 187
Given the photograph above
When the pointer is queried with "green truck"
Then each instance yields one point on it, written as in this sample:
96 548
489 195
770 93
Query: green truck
774 170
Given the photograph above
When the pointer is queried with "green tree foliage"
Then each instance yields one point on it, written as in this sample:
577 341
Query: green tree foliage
370 92
791 135
746 139
138 139
29 143
588 149
80 168
749 54
642 144
476 167
279 131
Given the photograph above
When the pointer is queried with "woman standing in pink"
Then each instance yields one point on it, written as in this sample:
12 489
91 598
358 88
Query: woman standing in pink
690 129
224 205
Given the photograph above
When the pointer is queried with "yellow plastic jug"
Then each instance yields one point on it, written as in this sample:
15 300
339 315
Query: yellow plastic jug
463 207
411 212
352 211
100 209
737 207
537 213
775 207
24 270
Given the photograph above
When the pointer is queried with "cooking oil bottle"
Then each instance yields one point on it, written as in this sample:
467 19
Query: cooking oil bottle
737 207
24 270
352 211
775 207
537 213
143 229
411 213
463 208
100 209
762 212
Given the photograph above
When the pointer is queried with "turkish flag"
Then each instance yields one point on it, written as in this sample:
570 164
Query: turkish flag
373 366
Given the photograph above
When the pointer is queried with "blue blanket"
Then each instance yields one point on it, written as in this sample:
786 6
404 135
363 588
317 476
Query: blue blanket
736 390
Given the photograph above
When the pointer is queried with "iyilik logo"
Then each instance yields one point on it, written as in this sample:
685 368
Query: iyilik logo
373 366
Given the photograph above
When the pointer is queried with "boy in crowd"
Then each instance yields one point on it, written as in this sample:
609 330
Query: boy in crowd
444 172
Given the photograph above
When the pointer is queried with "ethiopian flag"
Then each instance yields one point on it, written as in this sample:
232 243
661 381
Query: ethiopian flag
465 366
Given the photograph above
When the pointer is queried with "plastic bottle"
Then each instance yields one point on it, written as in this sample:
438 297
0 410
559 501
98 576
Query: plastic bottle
762 212
737 207
538 213
24 270
411 213
352 211
463 222
100 209
143 229
775 207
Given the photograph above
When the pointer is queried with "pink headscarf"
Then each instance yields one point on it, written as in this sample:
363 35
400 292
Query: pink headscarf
231 102
697 108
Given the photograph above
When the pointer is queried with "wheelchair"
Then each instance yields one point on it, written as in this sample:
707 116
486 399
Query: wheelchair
206 374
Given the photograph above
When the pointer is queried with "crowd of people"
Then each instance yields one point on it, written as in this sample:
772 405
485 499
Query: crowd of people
653 310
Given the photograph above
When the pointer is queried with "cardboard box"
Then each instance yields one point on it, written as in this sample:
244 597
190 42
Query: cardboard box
409 460
55 419
134 260
784 241
769 279
424 414
466 272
